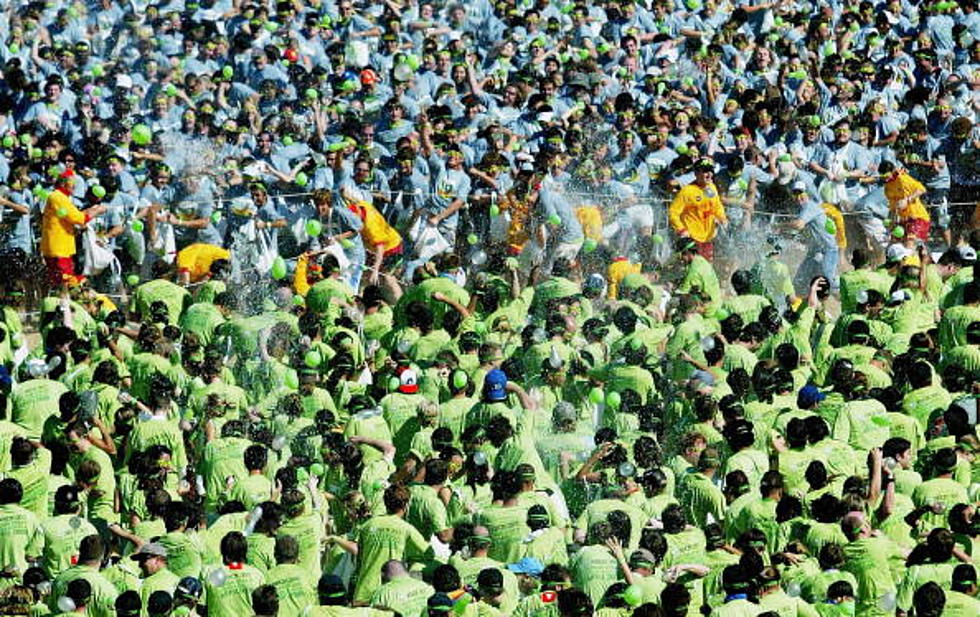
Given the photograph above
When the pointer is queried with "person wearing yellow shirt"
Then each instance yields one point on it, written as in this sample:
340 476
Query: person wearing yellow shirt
904 194
618 269
194 261
697 209
58 226
380 239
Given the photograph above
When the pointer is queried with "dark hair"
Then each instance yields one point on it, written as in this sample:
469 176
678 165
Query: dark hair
265 600
234 547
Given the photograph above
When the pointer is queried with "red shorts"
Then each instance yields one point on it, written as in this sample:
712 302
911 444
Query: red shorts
707 250
918 228
61 270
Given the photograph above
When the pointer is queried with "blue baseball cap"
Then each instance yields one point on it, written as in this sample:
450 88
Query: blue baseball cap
809 396
529 565
495 385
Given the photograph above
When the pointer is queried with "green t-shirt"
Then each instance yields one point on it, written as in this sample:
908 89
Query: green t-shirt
868 560
34 401
202 319
701 499
785 605
161 580
547 545
185 552
381 539
62 535
21 536
295 587
104 593
33 479
233 597
101 500
701 274
426 511
173 296
307 528
594 569
405 595
508 528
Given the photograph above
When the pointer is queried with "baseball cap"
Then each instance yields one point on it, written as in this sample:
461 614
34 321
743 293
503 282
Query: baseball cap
809 395
799 186
439 603
528 565
967 253
408 382
150 549
896 252
189 587
495 385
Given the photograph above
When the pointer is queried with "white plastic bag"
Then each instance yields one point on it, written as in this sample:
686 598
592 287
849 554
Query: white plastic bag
335 249
268 250
97 256
498 227
429 242
165 244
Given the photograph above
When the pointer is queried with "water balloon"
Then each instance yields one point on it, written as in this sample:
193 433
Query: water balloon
312 358
596 396
291 379
472 239
317 469
494 210
301 179
137 226
613 399
278 268
633 595
313 228
141 134
98 190
589 245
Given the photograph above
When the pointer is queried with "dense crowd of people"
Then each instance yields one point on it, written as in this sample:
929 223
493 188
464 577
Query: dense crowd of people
534 309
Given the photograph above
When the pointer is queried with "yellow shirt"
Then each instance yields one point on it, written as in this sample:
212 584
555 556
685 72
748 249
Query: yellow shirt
197 259
695 210
376 229
58 225
618 270
900 188
835 215
590 218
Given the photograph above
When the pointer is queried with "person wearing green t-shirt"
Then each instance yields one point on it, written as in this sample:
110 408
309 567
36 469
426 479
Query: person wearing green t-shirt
152 560
426 504
735 581
867 556
228 586
935 496
506 518
64 531
772 597
295 585
381 539
962 598
33 402
94 472
91 551
702 499
594 567
545 543
21 535
400 592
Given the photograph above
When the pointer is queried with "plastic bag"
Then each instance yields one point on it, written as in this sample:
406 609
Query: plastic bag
268 250
335 249
165 243
429 242
97 256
